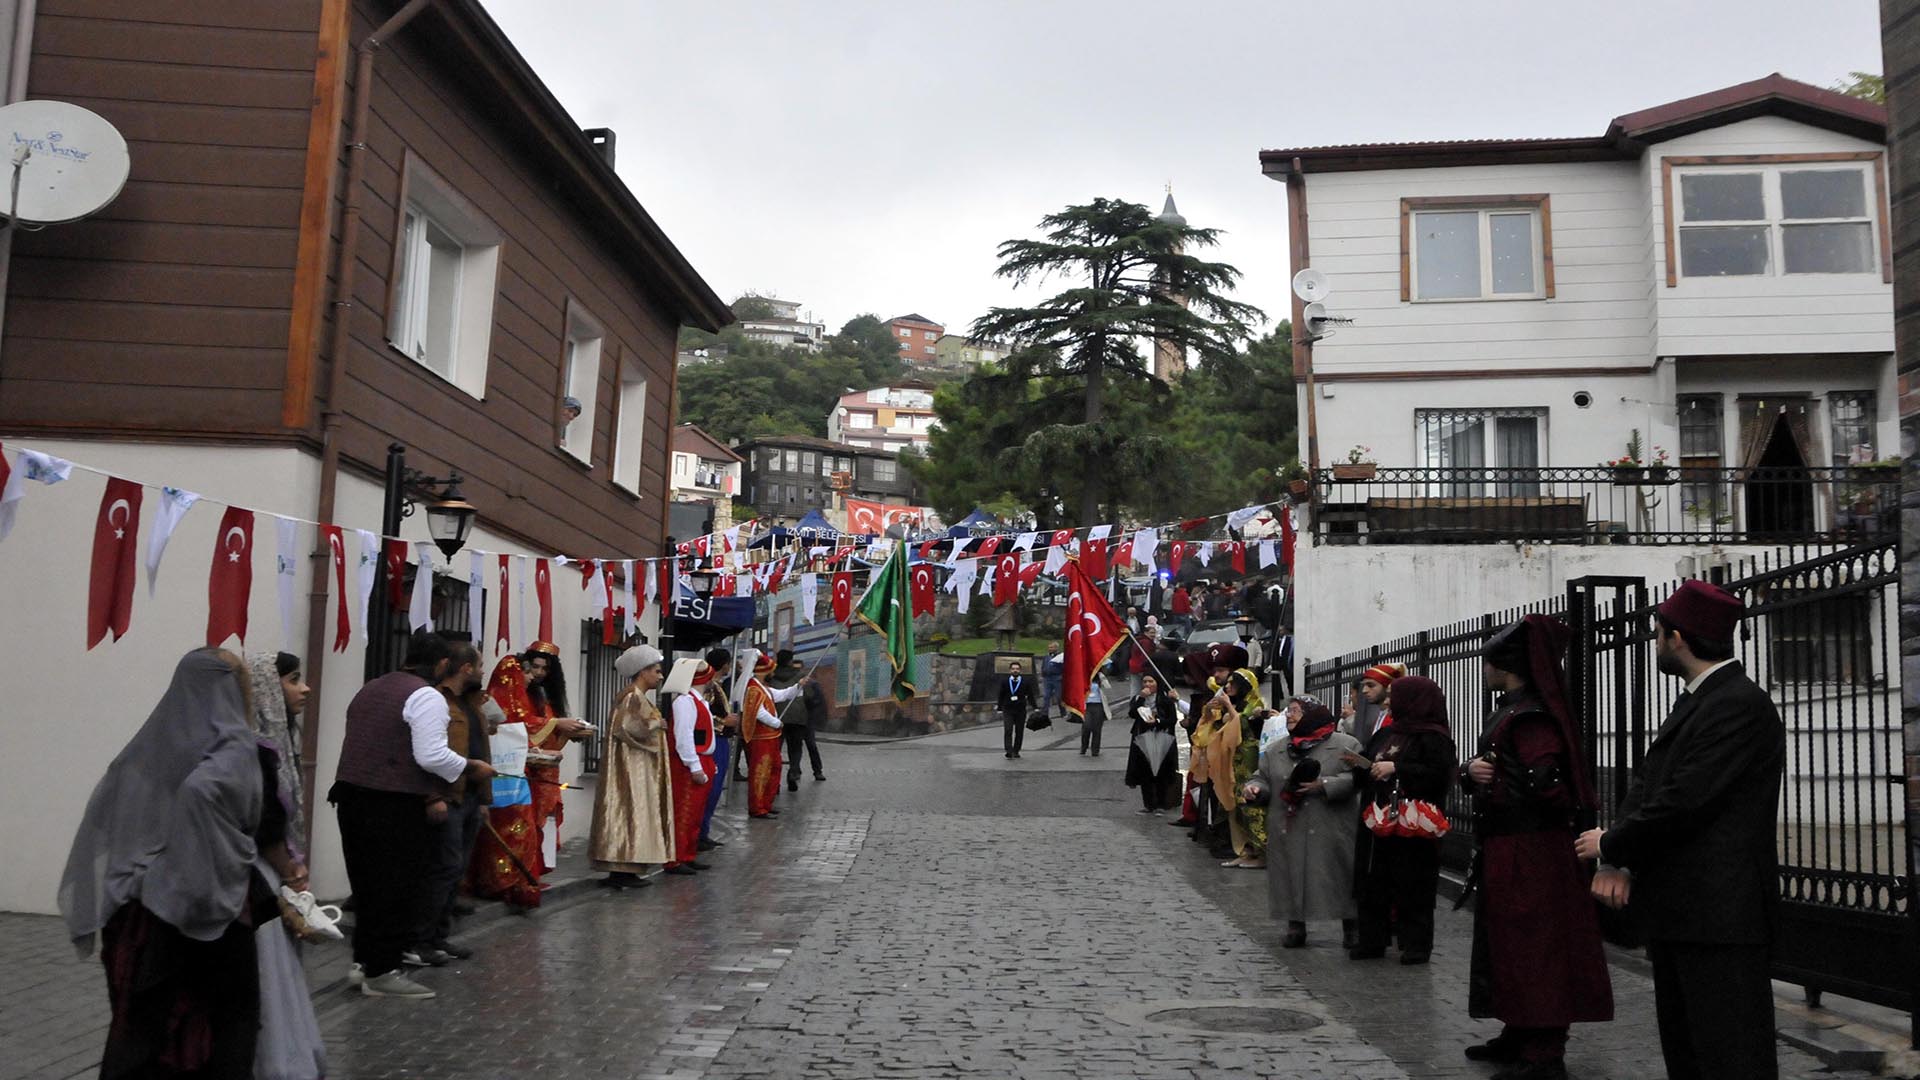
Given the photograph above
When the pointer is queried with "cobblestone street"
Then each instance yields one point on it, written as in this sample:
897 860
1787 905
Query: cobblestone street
932 910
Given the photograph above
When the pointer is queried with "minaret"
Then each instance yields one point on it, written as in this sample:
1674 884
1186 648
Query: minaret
1169 358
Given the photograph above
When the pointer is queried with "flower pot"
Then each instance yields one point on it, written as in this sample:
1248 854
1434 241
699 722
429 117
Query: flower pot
1629 474
1363 470
1661 474
1299 491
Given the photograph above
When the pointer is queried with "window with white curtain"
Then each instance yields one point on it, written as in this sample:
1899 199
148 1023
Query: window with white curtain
1481 439
445 259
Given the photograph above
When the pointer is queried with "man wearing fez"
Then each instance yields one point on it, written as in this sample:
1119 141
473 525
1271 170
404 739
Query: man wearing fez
633 804
1693 847
1537 959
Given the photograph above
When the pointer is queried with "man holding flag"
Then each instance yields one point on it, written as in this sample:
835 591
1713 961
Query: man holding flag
888 609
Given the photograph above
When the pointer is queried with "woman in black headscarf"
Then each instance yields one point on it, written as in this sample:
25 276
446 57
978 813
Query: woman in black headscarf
1409 767
1154 714
166 871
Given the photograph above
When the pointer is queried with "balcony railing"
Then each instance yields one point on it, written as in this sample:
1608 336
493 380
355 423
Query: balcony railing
1601 505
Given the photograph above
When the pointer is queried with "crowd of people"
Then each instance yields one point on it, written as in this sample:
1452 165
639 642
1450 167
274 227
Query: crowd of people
188 876
1347 815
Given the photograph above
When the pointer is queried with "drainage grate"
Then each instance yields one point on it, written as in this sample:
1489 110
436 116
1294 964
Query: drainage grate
1234 1018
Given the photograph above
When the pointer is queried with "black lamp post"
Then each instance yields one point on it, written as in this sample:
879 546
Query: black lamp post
449 521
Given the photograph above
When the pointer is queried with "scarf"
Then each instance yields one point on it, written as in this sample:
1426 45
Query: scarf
276 733
1418 707
1316 723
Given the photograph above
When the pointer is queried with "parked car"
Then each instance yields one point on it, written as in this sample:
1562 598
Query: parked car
1204 635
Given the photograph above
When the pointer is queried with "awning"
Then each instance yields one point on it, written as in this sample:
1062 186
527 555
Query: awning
699 621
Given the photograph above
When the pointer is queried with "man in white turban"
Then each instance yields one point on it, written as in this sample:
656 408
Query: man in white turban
633 809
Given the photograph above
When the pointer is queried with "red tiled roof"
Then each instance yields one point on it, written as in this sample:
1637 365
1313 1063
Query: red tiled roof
689 439
1625 138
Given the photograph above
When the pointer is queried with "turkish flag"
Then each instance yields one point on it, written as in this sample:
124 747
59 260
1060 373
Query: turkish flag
1030 573
685 547
988 546
337 554
1061 538
700 547
1123 554
926 549
723 585
502 637
842 596
840 555
1237 551
1286 538
1178 552
230 582
116 535
1093 558
1093 631
665 569
1006 579
1191 524
393 553
543 591
921 580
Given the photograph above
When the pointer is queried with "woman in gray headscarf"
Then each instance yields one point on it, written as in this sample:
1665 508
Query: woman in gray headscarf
277 692
166 871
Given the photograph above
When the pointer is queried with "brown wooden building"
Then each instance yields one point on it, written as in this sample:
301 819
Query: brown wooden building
499 265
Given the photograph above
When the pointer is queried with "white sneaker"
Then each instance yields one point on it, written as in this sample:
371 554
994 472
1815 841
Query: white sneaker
320 919
356 975
395 984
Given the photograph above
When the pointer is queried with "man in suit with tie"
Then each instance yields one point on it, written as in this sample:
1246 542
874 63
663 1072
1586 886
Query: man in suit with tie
1016 697
1691 852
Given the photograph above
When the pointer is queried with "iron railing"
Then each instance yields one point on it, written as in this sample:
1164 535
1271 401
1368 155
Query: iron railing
1599 504
599 687
1821 637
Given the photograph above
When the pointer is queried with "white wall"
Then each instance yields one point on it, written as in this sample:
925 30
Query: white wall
69 711
1764 314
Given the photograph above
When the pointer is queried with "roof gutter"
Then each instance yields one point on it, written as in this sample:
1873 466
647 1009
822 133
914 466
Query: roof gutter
338 352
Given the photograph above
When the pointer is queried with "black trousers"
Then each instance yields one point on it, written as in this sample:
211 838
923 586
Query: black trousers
1013 730
1396 882
1714 1004
452 844
795 735
388 845
1090 725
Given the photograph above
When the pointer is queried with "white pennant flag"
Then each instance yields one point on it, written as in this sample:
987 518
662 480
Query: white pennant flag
1056 559
287 534
809 595
33 465
174 505
652 584
596 587
476 595
739 561
986 579
959 545
520 602
960 584
733 538
369 563
1144 543
1099 532
630 622
420 611
1239 518
1204 552
1024 542
1268 556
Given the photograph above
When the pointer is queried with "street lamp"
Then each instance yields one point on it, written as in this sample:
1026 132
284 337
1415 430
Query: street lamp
450 518
449 521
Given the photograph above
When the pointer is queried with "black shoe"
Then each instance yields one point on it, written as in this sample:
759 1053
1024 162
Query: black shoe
680 868
698 865
707 845
1412 958
1008 755
793 783
459 952
1181 823
759 817
424 956
1295 939
1494 1049
817 777
1358 953
462 908
1349 937
1554 1069
622 880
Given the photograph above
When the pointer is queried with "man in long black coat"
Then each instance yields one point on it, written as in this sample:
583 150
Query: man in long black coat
1017 695
1692 850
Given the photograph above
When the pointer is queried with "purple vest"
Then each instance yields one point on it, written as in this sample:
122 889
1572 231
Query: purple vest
376 752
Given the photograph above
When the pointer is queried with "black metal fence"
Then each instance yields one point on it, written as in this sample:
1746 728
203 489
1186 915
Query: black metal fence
1599 505
598 687
1821 636
452 615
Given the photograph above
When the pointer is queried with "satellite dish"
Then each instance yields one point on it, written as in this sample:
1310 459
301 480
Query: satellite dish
1311 285
1318 323
71 162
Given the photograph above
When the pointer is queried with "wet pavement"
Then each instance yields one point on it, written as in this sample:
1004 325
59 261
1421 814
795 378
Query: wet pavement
932 910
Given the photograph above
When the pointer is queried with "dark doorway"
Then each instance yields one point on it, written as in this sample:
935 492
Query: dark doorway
1779 488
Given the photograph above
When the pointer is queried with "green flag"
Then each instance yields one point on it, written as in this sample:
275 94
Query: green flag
888 610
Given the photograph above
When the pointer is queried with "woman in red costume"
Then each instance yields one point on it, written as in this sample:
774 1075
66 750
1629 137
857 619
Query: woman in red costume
511 857
760 726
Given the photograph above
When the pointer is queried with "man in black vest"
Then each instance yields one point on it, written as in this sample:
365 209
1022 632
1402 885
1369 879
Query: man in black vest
1016 697
390 791
1693 847
798 720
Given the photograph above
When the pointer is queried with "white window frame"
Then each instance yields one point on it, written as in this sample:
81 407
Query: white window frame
630 428
889 466
582 357
429 204
1492 207
1774 221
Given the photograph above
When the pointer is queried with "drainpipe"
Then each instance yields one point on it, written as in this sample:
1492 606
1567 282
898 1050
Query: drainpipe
16 90
1302 339
337 352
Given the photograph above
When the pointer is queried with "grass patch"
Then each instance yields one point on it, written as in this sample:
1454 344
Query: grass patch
976 646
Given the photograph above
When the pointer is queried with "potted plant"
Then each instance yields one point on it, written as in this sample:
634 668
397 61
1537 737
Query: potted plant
1294 475
1659 471
1629 468
1358 466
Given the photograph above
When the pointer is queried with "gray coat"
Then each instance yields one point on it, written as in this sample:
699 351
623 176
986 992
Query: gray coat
1310 858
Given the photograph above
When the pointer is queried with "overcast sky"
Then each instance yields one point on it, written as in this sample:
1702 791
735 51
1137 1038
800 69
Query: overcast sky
867 156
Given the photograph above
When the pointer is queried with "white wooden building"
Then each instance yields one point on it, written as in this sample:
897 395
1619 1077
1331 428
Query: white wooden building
1713 273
